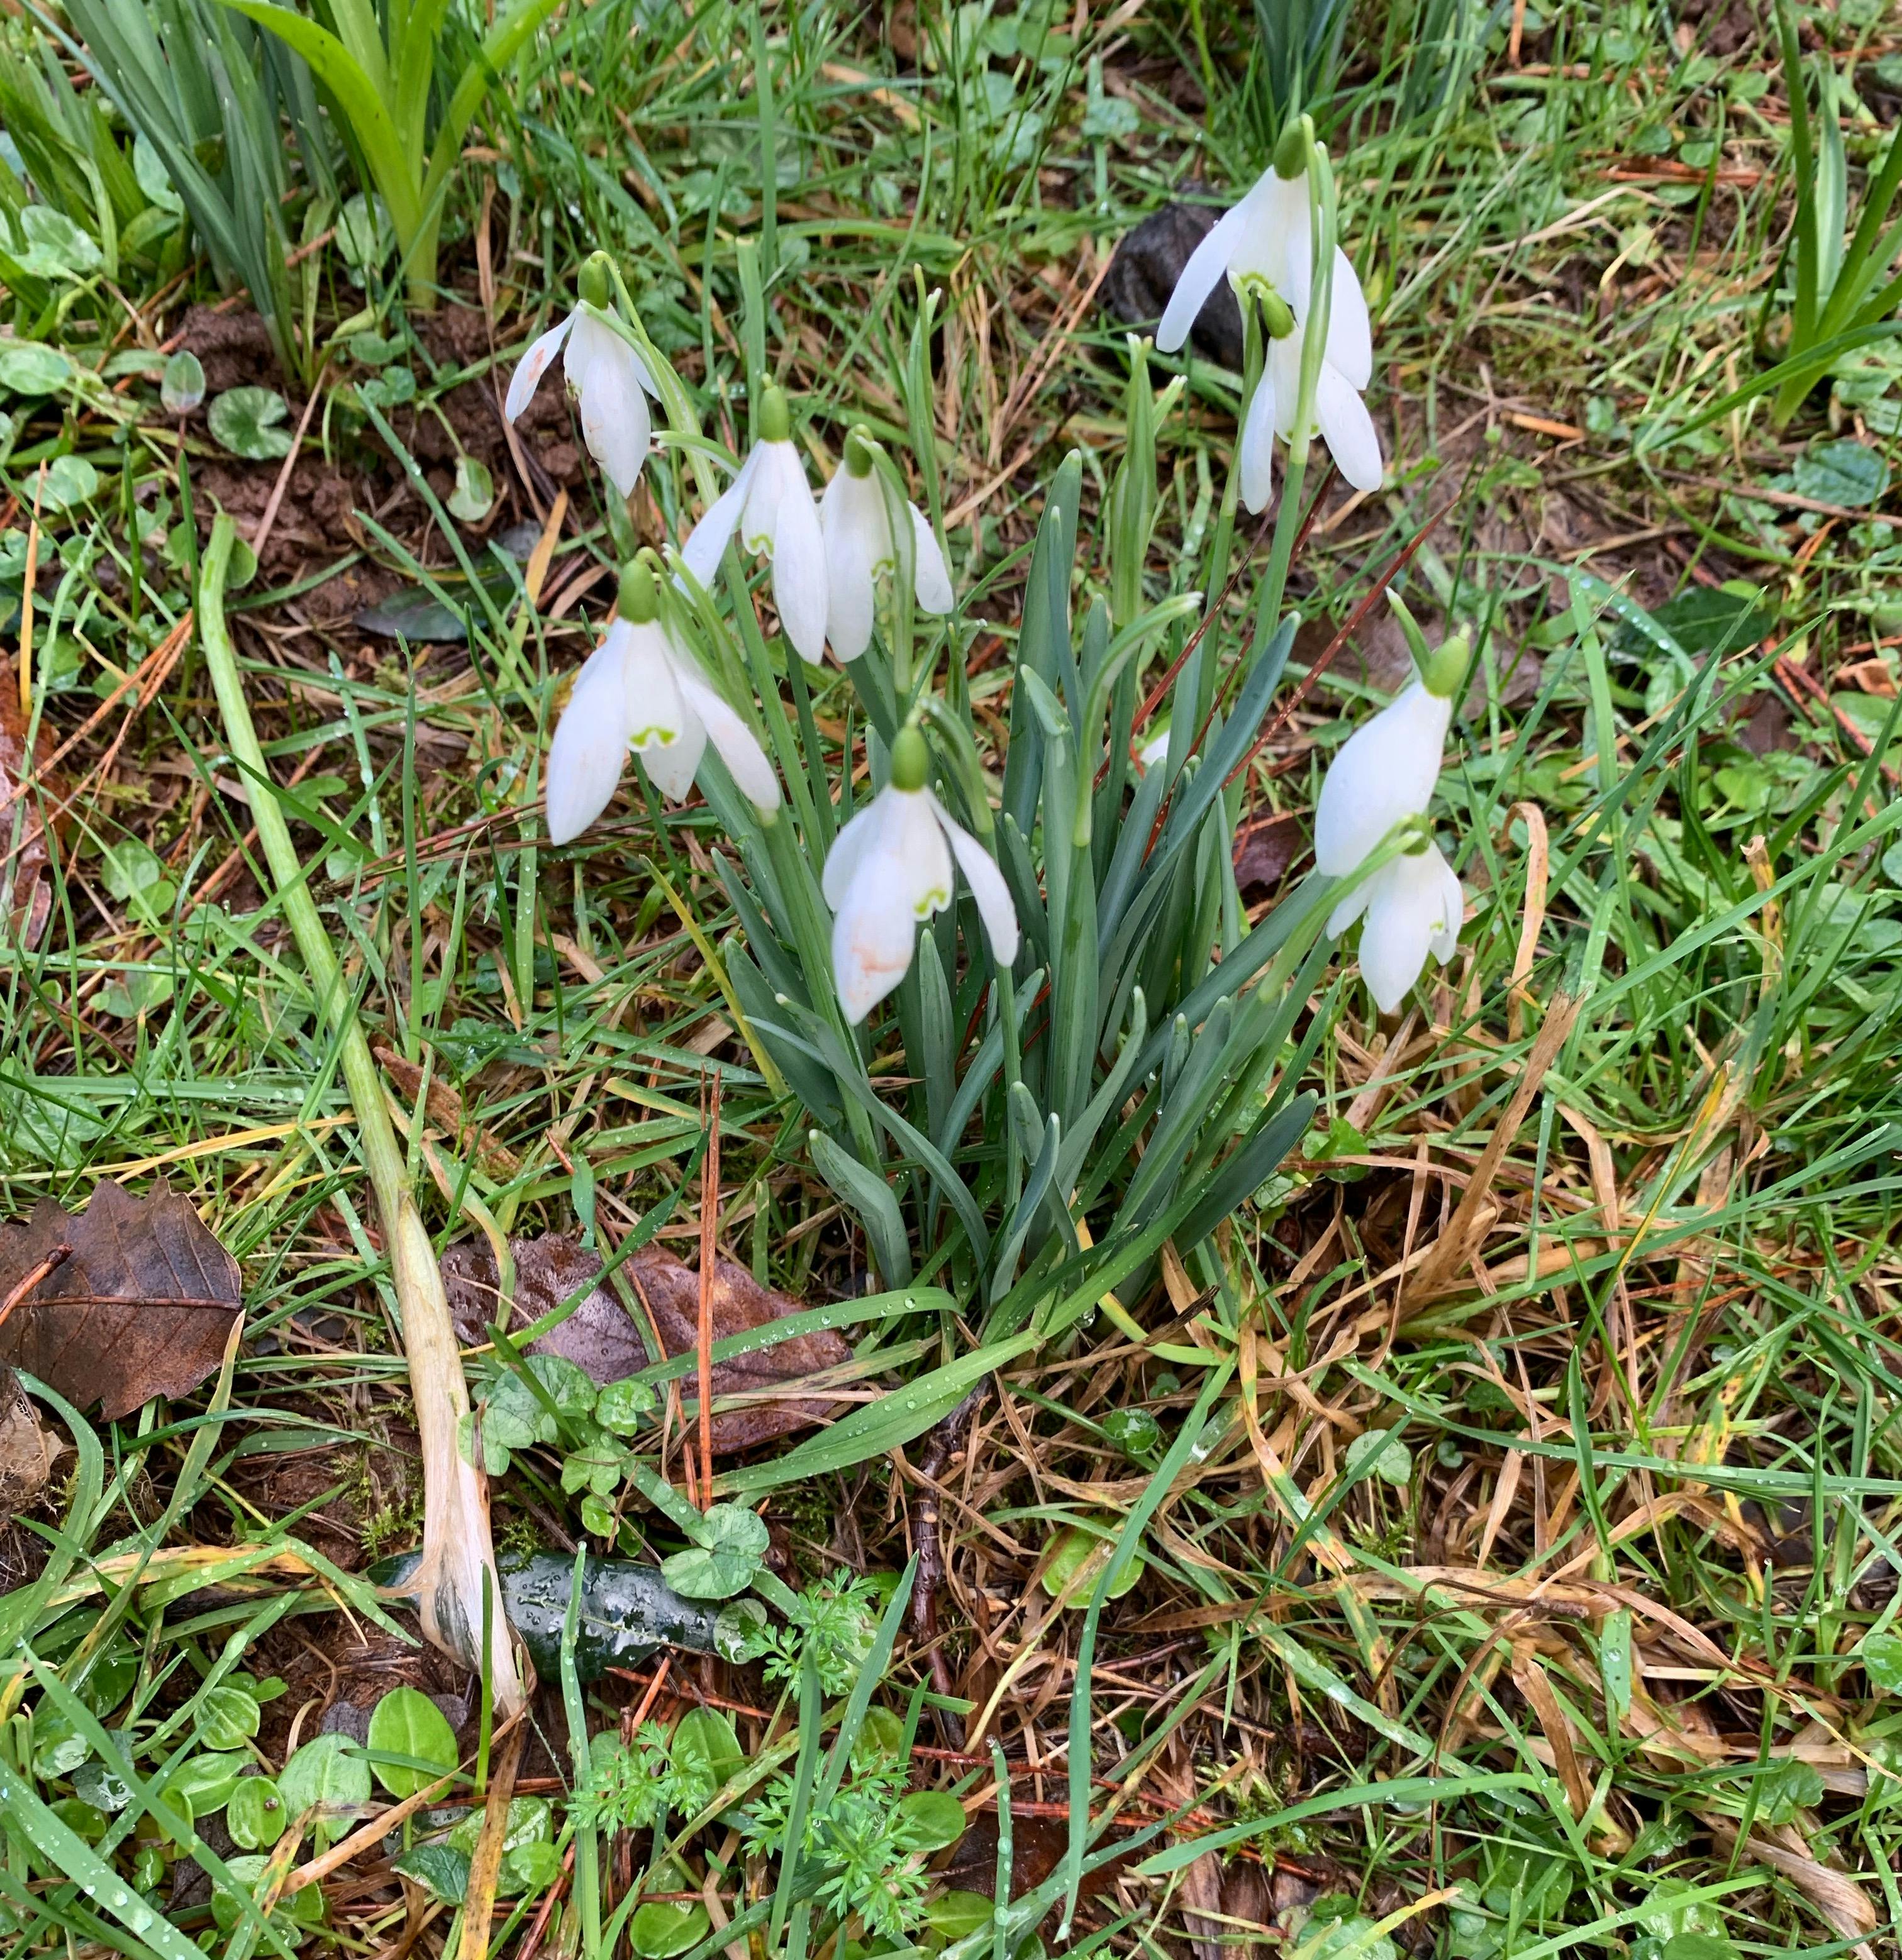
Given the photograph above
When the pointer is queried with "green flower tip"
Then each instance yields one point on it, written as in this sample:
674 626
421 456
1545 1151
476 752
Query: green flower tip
1291 153
859 454
910 759
596 280
640 601
1277 318
775 416
1444 667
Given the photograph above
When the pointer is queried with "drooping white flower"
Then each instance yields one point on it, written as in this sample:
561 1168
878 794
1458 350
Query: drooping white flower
856 522
1265 246
891 868
770 503
1384 773
1414 904
641 688
611 383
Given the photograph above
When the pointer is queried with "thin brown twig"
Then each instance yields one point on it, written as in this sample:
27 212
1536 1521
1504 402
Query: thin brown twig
48 1266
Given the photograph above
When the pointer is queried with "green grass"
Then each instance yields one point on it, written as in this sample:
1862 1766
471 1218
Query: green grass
1614 1602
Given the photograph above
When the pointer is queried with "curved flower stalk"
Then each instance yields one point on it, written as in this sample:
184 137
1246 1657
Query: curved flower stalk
1265 246
1383 777
890 869
608 378
856 521
643 689
770 505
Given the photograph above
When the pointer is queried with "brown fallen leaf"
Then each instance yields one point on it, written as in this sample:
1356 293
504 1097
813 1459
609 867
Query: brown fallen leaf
26 896
141 1306
27 1450
445 1107
1265 845
601 1337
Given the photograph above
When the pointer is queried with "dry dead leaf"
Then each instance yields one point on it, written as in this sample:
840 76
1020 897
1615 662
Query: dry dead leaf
601 1338
26 896
27 1450
141 1304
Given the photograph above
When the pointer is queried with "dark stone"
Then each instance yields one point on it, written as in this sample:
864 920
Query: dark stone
1143 274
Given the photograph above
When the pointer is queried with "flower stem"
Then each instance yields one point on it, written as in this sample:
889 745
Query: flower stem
457 1551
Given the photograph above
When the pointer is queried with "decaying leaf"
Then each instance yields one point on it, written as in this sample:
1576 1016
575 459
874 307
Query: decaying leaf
601 1336
26 895
26 1449
141 1304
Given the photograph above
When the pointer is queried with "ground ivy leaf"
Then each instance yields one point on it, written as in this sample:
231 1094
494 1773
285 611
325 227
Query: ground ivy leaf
245 420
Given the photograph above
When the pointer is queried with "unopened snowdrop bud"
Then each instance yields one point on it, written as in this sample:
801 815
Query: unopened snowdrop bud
856 522
891 868
1444 667
607 377
643 689
1291 152
1413 905
770 505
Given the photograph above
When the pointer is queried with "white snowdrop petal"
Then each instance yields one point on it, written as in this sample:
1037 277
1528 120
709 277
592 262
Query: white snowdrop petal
765 484
1350 332
1348 429
734 742
1445 940
1384 772
850 555
993 895
534 365
873 935
1258 445
1350 909
1407 902
706 543
1199 278
615 421
931 575
915 838
672 764
863 834
799 581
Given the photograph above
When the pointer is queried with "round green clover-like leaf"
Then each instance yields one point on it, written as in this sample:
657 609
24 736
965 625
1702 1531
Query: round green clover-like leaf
29 368
49 245
228 1716
57 1747
406 1723
1785 1787
703 1754
206 1781
1843 471
1136 1432
440 1870
255 1813
1078 1551
85 1820
1880 1654
661 1928
1392 1461
69 480
181 388
532 1867
597 1516
732 1541
327 1773
625 1407
957 1915
105 1789
930 1819
881 1737
474 496
529 1818
245 421
741 1632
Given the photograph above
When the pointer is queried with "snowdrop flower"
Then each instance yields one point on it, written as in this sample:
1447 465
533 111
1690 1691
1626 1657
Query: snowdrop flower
856 522
1414 904
1384 776
1265 247
641 688
610 379
770 505
891 867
